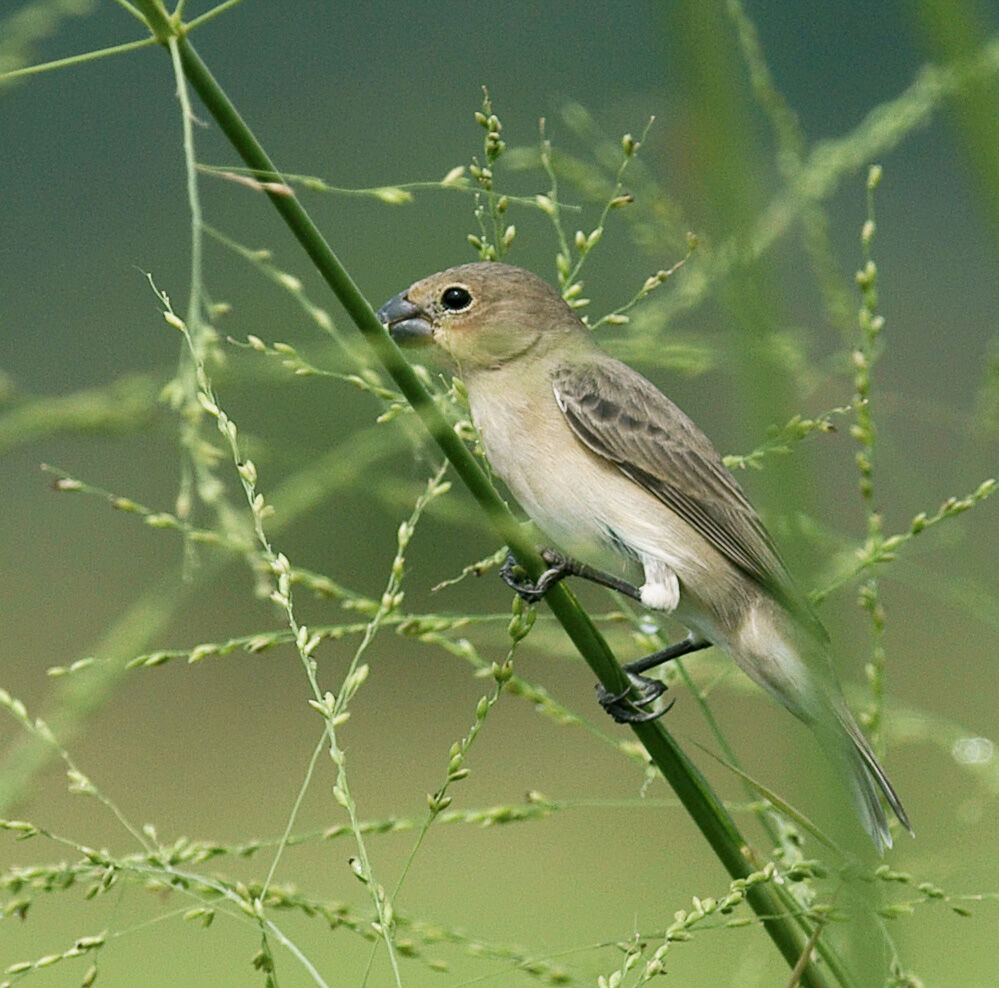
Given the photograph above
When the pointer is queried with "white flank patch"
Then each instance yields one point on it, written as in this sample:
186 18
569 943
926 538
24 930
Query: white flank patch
661 590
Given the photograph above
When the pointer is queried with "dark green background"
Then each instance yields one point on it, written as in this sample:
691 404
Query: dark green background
366 94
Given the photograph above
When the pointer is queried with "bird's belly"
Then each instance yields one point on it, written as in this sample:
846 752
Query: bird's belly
566 491
592 511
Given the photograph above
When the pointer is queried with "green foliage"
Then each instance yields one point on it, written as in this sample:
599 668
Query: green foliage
188 878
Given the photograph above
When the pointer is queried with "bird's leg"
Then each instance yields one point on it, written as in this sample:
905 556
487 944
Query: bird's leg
623 710
597 576
667 654
621 707
559 567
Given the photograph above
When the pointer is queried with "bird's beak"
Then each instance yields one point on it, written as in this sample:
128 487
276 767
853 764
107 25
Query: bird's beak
407 323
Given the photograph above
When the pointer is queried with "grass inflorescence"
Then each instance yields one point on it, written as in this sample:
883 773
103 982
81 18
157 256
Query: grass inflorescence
788 881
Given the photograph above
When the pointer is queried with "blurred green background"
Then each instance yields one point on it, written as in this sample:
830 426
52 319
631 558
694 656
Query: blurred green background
370 94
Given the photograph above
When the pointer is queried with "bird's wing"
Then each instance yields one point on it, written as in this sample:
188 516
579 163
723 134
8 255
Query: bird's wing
623 418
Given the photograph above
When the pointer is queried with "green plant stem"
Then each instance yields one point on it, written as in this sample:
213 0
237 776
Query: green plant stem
686 780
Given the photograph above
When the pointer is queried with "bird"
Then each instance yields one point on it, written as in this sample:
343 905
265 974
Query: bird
622 481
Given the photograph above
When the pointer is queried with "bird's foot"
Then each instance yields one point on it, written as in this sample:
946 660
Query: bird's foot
558 569
625 708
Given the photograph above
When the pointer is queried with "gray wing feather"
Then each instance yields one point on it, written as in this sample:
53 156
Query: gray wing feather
622 417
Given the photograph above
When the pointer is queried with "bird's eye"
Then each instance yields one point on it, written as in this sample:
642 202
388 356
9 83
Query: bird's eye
456 298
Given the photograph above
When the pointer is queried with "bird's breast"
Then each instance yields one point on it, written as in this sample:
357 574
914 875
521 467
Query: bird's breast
581 501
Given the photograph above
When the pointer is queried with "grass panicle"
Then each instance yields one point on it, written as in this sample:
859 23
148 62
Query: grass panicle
233 508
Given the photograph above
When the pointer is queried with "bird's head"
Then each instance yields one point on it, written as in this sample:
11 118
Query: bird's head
484 315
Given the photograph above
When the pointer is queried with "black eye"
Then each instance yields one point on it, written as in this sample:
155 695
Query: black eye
456 298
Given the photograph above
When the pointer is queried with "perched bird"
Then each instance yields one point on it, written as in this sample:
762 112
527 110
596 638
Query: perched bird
619 478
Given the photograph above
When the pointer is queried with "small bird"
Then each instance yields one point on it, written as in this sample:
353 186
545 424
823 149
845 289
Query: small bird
620 479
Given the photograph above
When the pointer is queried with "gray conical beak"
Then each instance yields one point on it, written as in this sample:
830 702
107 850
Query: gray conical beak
407 323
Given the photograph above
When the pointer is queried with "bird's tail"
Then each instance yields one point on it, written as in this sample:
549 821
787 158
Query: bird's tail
794 667
868 781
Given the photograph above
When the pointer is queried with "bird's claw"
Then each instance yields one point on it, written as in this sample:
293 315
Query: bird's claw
626 710
532 592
